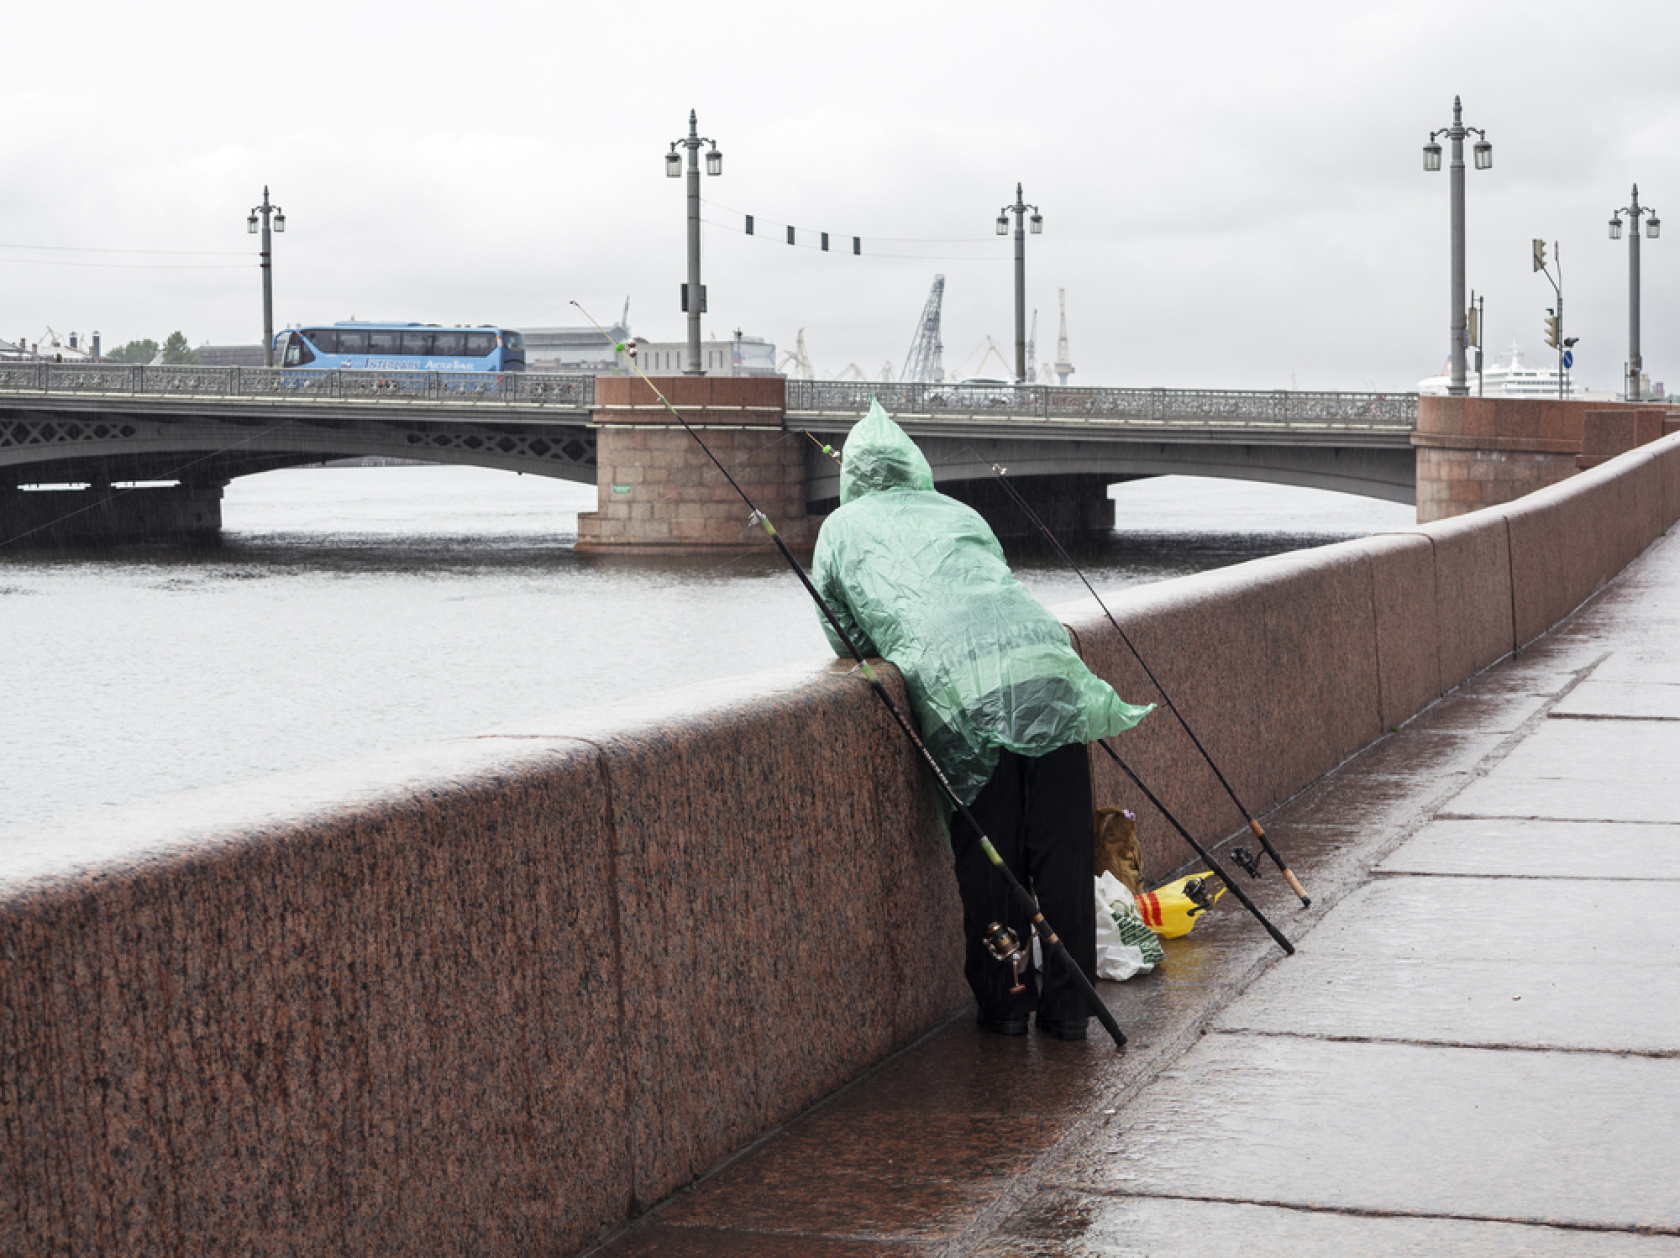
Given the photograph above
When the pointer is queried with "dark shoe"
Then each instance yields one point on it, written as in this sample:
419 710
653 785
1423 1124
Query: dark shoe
1004 1026
1063 1030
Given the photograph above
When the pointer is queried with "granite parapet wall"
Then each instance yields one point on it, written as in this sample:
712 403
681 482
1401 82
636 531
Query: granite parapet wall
487 997
1284 667
497 995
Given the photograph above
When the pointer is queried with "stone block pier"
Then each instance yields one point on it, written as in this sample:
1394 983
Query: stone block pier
513 993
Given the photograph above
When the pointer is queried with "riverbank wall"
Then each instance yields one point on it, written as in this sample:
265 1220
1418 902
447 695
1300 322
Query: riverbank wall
1475 452
500 994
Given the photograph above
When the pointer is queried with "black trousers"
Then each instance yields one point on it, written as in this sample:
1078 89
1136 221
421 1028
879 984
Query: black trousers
1037 812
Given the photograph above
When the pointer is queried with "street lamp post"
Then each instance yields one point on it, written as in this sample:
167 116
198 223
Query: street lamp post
694 296
1432 161
1019 209
264 210
1634 211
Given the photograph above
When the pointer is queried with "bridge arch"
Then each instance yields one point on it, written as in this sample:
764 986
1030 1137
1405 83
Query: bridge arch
1385 470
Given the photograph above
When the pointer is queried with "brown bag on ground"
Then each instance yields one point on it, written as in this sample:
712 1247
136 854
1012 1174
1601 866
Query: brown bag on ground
1117 847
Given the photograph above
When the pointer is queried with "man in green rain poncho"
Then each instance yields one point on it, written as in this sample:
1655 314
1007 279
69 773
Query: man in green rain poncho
1000 698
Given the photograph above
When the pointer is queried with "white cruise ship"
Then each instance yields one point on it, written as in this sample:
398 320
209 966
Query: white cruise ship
1506 378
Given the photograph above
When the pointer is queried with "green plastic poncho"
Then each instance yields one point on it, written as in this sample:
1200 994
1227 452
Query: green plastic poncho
919 579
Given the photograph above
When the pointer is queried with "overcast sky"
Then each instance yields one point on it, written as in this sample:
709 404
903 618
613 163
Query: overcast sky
1233 193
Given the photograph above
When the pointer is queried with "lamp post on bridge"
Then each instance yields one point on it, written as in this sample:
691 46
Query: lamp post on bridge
1019 209
1634 211
264 210
1457 386
694 294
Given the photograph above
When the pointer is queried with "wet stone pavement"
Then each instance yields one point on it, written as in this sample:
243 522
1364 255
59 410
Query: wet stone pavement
1475 1051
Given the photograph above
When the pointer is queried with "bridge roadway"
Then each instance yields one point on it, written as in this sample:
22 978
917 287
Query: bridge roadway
104 423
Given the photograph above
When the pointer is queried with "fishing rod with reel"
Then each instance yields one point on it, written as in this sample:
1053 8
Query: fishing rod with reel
1242 856
1053 946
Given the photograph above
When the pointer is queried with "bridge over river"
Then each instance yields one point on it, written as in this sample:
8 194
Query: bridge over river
196 428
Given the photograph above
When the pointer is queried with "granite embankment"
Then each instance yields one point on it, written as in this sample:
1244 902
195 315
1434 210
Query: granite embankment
499 994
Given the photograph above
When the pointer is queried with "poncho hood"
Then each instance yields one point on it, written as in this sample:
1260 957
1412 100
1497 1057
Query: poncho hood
878 455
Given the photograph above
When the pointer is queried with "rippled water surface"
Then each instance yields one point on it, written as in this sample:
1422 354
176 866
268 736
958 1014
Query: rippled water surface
350 610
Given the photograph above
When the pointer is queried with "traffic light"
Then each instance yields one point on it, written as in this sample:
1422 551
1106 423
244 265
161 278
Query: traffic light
1539 255
1551 328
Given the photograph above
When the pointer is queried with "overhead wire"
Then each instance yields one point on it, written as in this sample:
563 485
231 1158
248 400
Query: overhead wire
207 253
133 266
867 253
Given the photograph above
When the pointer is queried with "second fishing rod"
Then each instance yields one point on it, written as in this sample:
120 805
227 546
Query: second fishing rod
1054 949
1247 862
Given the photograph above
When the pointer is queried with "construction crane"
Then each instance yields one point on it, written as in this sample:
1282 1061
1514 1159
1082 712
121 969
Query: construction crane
800 360
1063 367
886 376
1032 350
925 362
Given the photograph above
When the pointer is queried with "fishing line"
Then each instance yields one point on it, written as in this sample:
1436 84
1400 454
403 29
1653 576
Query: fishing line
1259 831
1053 946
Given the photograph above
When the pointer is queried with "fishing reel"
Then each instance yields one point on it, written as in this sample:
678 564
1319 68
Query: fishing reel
1248 860
1198 893
1005 945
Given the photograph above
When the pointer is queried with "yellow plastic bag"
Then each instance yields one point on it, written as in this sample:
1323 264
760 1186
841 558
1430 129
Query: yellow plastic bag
1172 910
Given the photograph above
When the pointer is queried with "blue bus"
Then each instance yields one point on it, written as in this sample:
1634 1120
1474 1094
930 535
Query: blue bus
400 347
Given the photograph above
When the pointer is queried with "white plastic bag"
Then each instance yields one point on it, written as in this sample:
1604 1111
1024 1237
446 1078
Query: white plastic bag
1125 946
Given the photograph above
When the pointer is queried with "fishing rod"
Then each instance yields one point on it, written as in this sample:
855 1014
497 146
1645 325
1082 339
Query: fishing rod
1053 946
1243 858
1202 852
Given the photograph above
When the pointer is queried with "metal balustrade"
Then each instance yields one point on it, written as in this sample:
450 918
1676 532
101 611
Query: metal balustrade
453 387
1206 408
1200 407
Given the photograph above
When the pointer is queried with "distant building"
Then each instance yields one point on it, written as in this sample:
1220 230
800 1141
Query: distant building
584 350
229 355
581 351
52 348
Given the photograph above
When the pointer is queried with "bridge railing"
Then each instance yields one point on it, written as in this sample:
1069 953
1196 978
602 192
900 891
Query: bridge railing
839 398
1149 406
534 388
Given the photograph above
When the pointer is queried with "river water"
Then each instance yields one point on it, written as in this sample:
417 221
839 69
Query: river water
352 610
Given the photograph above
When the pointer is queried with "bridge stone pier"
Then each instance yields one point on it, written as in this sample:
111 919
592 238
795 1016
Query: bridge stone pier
659 491
186 512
